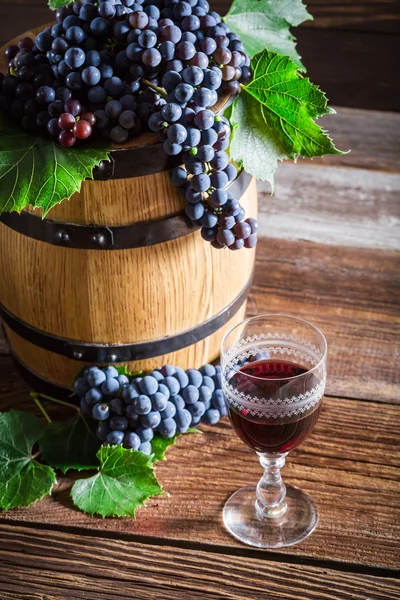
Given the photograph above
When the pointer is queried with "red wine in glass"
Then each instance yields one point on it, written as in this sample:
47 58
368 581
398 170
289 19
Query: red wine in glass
271 434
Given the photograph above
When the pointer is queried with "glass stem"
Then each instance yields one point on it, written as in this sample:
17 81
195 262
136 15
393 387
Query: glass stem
271 491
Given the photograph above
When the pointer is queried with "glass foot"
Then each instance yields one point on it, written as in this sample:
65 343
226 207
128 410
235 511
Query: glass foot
244 522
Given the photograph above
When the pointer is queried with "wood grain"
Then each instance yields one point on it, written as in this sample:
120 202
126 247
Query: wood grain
373 138
352 295
349 465
122 296
74 566
353 68
332 205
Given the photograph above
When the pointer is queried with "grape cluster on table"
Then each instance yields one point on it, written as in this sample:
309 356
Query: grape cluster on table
167 401
111 69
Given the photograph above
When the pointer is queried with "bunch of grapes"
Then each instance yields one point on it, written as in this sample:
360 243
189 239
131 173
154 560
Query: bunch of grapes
167 401
110 69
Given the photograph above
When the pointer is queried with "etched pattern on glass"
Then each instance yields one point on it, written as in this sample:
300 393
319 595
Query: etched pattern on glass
297 349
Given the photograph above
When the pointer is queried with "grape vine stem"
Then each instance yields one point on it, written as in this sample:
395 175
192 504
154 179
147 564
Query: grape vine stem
36 395
156 88
41 408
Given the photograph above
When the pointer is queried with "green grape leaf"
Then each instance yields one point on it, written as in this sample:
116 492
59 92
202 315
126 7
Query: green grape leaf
70 445
265 24
38 171
56 4
252 144
288 103
124 371
23 480
273 117
160 445
124 482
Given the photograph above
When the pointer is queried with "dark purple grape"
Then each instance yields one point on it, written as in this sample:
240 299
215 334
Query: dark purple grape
74 57
66 139
170 33
200 182
138 20
45 95
242 230
172 149
43 41
99 27
73 107
82 129
210 219
195 211
226 222
185 50
231 207
55 108
75 35
106 10
184 93
91 75
237 245
209 234
251 241
151 57
204 119
200 59
205 153
253 224
53 127
11 51
193 76
225 237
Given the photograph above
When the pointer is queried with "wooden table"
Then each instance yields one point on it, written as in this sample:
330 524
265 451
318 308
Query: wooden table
328 252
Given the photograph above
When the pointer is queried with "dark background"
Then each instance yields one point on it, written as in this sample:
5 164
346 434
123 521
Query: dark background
351 49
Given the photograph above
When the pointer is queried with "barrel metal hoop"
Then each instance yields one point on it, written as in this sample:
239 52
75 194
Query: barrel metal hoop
110 353
43 386
91 237
126 163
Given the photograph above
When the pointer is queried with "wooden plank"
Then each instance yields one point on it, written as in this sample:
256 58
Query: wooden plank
353 68
372 136
352 294
375 16
348 465
332 205
59 566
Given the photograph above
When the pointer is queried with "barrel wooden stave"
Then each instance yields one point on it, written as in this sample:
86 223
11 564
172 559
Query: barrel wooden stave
120 296
117 202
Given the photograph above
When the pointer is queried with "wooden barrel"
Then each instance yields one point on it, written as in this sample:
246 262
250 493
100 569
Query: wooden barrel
118 275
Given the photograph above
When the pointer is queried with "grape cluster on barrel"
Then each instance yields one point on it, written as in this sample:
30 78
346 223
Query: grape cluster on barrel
109 69
167 401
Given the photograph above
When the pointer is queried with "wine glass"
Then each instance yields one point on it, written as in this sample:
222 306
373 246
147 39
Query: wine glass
273 378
